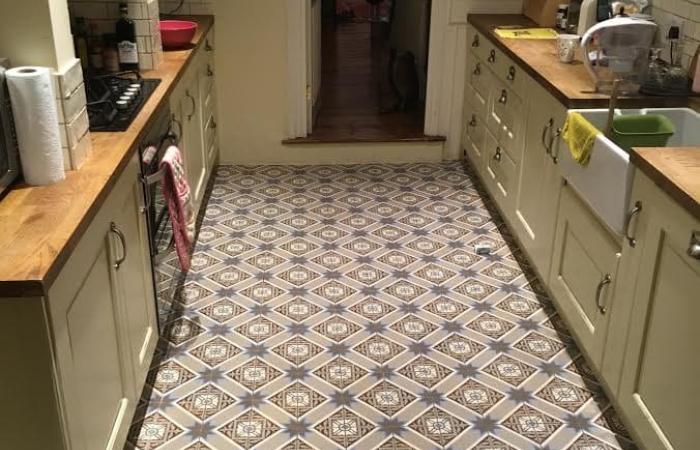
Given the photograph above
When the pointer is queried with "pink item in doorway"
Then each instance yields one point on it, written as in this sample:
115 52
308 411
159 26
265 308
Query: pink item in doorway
177 193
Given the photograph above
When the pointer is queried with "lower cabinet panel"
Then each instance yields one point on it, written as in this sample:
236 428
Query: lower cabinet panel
95 383
659 391
584 270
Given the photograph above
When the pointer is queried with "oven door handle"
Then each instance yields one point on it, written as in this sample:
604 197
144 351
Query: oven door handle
150 180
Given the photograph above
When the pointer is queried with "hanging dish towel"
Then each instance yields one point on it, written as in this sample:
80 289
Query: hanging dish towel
177 193
580 135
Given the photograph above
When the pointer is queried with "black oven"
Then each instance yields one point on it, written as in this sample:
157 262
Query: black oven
9 157
168 276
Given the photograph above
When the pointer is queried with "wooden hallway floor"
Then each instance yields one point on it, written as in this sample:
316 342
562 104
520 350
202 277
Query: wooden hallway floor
355 90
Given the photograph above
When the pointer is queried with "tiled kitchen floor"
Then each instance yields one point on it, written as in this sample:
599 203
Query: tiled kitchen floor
344 307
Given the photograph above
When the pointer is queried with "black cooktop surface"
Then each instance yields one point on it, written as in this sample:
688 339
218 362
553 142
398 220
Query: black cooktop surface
106 108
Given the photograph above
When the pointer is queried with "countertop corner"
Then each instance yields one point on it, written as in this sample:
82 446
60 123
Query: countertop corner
676 170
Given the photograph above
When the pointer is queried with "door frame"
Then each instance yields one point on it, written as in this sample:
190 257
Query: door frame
298 62
299 50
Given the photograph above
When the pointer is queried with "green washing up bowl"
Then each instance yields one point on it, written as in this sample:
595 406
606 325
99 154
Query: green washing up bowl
642 130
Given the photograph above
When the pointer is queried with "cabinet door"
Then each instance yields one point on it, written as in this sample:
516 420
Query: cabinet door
539 180
136 279
192 138
95 377
583 273
659 391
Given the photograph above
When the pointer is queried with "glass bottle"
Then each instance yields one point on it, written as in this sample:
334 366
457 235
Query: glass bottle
126 40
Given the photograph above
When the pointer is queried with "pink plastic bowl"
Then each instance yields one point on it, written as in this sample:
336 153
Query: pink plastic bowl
177 33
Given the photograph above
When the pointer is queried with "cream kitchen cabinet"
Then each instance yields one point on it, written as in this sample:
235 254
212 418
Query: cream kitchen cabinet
193 103
207 93
539 183
102 315
658 391
583 273
186 107
495 120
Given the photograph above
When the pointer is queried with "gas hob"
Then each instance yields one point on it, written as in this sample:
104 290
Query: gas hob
114 100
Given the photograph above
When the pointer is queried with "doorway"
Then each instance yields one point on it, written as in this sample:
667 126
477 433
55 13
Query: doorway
373 71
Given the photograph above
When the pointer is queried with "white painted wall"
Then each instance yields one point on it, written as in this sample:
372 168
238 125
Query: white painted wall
667 12
36 32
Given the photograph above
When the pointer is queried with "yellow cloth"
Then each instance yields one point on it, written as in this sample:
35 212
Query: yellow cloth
526 33
580 135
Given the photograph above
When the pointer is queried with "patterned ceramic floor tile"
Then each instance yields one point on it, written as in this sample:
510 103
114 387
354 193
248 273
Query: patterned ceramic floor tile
345 307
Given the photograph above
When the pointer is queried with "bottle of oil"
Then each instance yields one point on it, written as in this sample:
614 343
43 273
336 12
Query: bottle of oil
126 40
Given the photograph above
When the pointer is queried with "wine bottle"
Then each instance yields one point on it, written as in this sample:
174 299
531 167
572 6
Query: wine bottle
126 40
81 41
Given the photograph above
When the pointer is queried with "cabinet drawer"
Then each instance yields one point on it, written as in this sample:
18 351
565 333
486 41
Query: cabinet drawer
509 113
475 135
484 49
479 77
513 76
501 170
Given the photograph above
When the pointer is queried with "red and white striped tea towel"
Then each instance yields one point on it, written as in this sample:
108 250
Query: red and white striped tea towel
177 193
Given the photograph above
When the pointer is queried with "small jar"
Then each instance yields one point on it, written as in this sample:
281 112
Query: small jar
562 15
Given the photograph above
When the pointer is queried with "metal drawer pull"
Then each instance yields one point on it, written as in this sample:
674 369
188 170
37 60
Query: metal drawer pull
492 56
214 124
122 239
504 97
208 47
511 74
475 42
547 129
694 249
635 212
497 156
194 105
599 291
472 123
477 69
555 158
210 73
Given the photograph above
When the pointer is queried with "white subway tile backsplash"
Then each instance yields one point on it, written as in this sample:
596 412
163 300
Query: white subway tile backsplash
145 13
188 7
667 12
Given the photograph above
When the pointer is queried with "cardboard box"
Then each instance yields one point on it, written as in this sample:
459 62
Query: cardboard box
543 12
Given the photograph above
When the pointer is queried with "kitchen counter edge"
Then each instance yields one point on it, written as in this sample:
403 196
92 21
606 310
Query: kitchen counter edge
675 170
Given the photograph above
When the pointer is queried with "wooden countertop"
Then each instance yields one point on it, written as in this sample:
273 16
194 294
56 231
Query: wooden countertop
571 84
675 170
42 225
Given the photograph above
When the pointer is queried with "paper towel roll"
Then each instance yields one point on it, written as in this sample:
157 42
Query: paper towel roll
36 122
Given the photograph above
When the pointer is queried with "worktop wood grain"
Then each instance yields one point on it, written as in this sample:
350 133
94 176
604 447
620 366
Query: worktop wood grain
41 225
675 170
571 84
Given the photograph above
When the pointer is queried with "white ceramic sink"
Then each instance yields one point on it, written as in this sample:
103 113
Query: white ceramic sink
606 182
